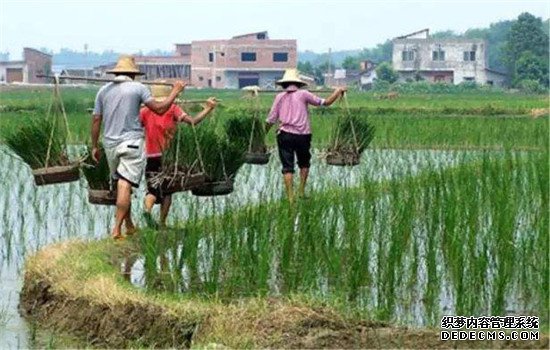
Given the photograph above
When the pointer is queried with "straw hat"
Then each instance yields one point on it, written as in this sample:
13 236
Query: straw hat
125 64
160 92
291 76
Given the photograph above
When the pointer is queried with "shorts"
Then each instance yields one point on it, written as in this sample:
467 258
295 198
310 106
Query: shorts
127 161
294 144
152 168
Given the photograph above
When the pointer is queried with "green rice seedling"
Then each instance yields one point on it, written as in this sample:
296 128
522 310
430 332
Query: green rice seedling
33 138
351 135
221 154
97 174
244 122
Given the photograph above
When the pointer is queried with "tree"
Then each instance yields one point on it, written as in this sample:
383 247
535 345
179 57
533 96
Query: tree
531 67
380 53
526 34
350 63
385 72
306 68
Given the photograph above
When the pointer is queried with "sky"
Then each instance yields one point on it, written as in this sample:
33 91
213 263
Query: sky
131 26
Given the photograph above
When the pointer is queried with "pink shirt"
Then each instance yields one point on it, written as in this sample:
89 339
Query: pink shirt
290 109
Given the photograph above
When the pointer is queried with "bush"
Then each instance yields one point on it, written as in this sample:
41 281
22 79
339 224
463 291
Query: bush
530 86
385 72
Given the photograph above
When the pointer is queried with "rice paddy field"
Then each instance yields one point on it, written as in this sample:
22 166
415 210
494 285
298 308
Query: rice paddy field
447 214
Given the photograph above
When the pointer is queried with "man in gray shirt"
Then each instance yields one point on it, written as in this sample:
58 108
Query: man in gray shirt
118 104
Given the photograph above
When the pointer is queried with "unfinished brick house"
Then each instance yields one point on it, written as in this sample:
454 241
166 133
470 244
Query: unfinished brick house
244 60
34 62
417 56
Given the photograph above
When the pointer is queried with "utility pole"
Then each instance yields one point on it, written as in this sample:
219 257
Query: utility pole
328 65
86 60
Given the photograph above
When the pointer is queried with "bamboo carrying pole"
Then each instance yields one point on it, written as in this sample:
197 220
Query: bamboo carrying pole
102 80
277 91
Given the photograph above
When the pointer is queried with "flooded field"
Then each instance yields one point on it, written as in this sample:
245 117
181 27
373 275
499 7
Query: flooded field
33 217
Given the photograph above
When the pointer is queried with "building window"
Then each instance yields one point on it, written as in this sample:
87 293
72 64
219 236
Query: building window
248 56
438 55
201 78
210 57
469 79
260 36
408 55
469 55
280 57
218 78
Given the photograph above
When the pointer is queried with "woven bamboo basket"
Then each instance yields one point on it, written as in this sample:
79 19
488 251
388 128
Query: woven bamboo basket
256 158
218 188
56 174
343 159
101 197
180 184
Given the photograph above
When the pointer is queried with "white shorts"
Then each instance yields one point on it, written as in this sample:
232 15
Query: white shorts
127 161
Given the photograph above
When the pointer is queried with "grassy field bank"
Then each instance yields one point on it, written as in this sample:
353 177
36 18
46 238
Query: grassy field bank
460 121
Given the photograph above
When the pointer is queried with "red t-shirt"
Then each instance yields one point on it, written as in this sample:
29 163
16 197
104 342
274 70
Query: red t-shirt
159 129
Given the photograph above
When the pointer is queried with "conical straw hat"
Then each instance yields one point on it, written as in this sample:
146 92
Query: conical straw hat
126 64
160 92
291 76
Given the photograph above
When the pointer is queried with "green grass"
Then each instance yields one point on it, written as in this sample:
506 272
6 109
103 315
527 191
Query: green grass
465 120
479 230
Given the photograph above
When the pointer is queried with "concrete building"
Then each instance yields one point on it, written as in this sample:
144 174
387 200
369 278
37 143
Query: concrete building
164 67
416 56
244 60
34 62
362 78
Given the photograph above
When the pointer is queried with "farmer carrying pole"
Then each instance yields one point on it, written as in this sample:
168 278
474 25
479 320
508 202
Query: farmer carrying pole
290 109
118 103
159 130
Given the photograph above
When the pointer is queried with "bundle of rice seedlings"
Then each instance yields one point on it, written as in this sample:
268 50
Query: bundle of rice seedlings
246 123
350 137
98 174
222 156
181 168
30 142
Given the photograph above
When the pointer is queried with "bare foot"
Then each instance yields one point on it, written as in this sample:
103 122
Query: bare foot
117 235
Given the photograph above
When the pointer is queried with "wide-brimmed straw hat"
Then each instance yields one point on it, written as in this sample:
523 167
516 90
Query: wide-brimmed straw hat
291 76
160 92
125 64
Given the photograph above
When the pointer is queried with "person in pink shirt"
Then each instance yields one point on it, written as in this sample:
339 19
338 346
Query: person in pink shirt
290 111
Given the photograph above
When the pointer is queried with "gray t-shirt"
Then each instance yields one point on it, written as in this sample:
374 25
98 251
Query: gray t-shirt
119 104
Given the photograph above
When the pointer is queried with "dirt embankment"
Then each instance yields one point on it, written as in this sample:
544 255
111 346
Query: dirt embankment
76 288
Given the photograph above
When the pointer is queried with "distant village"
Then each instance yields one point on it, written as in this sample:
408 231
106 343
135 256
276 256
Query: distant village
256 59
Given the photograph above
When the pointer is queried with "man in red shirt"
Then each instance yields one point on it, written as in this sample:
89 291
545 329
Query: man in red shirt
158 129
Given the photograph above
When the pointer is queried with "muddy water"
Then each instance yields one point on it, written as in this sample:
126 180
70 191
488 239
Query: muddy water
32 217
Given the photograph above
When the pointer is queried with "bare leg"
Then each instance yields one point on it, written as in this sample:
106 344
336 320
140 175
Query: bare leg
128 222
123 200
288 177
304 173
165 209
149 202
